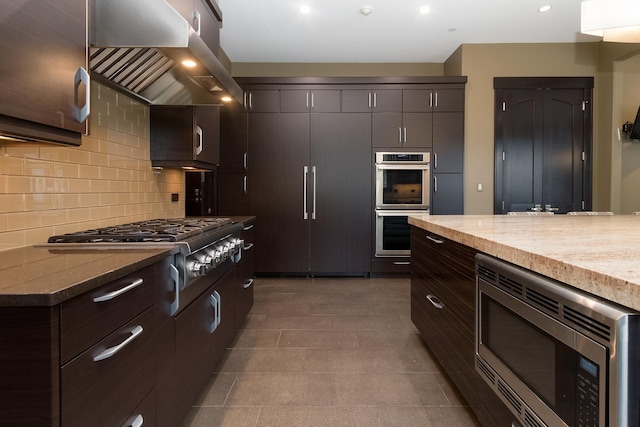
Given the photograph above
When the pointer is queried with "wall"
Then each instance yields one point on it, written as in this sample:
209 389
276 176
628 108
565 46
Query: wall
481 63
245 69
51 189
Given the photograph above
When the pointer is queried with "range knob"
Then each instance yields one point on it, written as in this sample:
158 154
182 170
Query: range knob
196 268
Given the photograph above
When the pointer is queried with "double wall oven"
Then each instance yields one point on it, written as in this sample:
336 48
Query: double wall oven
401 189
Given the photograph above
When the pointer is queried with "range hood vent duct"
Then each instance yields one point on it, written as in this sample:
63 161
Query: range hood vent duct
139 46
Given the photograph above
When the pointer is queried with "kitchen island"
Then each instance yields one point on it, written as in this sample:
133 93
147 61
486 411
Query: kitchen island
595 254
598 254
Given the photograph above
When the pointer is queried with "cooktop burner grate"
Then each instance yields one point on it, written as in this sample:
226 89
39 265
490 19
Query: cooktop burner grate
155 230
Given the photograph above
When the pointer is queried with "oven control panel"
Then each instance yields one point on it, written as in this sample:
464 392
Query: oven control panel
202 261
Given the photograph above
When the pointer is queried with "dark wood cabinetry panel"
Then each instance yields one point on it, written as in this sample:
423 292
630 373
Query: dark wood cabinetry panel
244 290
89 387
356 100
279 148
263 101
340 231
448 143
200 346
185 136
418 130
387 130
36 38
447 196
443 310
316 101
416 100
30 368
444 100
387 100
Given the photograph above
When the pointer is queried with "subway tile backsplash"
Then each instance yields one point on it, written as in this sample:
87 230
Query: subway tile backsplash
108 180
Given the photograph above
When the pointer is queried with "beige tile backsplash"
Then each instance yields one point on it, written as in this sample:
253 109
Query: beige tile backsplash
51 189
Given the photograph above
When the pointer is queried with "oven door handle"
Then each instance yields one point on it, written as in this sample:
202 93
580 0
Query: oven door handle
404 166
401 212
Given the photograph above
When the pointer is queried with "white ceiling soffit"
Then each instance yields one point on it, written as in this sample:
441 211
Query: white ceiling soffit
394 31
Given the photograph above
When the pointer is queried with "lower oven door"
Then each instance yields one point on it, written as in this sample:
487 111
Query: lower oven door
393 232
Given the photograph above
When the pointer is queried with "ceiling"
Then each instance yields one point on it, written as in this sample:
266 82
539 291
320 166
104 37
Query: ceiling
394 31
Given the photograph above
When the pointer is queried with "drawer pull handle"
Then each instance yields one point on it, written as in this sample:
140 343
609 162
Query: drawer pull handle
247 228
434 240
214 300
247 284
117 293
435 301
137 422
402 263
111 351
247 247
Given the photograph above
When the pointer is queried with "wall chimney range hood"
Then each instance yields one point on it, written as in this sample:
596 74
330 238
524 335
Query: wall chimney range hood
139 46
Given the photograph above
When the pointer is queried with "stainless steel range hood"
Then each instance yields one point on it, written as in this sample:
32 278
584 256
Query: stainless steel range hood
140 46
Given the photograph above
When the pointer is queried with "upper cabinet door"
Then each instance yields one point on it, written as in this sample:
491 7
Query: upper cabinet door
444 100
44 53
387 101
416 101
315 101
356 100
263 100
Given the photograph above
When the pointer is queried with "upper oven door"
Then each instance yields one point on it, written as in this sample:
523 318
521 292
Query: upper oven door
402 186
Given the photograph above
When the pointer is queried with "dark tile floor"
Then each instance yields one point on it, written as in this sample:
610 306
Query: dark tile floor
329 352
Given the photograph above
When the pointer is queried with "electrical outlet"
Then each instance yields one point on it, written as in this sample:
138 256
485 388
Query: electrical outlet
175 197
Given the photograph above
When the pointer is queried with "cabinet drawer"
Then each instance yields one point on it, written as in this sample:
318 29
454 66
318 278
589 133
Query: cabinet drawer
83 321
107 391
145 413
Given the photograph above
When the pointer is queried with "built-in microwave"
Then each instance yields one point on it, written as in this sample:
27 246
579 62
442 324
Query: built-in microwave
402 180
556 356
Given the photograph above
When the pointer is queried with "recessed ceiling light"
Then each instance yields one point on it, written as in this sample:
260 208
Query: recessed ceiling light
189 63
425 9
365 10
305 9
544 8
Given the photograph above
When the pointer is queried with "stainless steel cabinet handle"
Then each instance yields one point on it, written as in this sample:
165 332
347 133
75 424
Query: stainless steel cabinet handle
305 214
250 100
369 100
175 276
247 284
405 135
307 100
244 100
137 422
111 295
80 113
197 148
312 103
435 160
196 21
435 184
375 99
435 301
399 135
248 227
434 240
111 351
244 184
436 100
401 263
315 176
214 300
244 161
247 247
431 99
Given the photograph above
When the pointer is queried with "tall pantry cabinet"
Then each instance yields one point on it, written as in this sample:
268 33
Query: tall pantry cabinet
308 182
299 155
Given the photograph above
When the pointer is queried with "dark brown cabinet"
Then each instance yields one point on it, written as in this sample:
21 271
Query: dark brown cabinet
204 16
447 161
245 276
185 136
543 132
317 101
233 197
44 84
443 311
203 331
310 186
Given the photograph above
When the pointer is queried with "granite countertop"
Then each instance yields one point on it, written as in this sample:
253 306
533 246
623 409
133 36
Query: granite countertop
39 276
598 254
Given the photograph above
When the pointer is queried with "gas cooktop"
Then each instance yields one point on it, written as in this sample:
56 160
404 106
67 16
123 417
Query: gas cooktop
154 230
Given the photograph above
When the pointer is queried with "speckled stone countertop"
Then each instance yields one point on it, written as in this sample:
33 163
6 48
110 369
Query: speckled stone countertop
598 254
38 276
